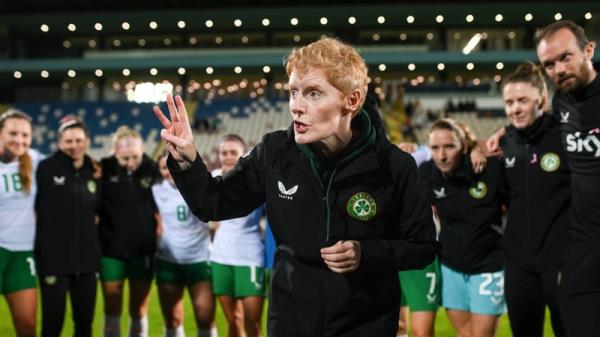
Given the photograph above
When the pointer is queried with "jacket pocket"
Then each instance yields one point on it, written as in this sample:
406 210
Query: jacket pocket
296 295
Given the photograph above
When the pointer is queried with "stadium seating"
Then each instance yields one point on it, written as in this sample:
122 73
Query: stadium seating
102 119
250 119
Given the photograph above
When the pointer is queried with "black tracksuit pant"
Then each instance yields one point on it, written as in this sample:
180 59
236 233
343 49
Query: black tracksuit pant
527 293
580 290
82 291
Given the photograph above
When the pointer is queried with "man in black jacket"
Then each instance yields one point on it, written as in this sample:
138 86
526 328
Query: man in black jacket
67 250
566 54
346 207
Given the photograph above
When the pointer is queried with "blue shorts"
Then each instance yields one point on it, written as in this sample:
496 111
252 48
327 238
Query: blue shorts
476 293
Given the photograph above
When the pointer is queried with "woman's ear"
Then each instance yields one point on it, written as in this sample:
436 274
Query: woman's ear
353 101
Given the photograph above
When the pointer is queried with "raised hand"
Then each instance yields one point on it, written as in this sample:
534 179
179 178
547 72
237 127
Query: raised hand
343 257
177 132
478 159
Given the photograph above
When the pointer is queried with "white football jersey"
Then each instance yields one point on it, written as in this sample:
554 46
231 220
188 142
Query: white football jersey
421 154
238 242
185 238
17 214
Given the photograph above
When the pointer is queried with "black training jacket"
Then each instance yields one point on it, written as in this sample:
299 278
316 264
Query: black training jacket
579 115
66 240
377 199
539 181
470 210
127 222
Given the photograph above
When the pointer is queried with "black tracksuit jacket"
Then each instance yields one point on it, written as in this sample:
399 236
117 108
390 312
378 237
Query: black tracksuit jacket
308 299
579 116
127 221
579 287
470 210
66 240
539 180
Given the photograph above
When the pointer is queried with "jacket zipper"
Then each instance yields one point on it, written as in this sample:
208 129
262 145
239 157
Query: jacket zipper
328 207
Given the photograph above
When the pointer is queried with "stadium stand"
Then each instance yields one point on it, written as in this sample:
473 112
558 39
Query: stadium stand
101 118
250 119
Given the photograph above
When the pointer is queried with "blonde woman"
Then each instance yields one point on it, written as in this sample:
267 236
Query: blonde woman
17 220
346 206
128 226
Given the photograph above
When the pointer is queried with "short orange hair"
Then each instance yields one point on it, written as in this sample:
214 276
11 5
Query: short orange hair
344 67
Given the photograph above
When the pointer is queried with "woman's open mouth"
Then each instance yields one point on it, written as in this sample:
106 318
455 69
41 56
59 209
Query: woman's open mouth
300 127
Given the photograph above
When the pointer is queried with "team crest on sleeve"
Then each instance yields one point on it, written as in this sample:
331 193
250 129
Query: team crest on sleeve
91 186
479 191
362 206
550 162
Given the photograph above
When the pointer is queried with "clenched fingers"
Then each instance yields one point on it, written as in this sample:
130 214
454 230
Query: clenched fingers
342 257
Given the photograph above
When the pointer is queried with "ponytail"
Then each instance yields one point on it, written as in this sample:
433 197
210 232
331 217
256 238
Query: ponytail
26 171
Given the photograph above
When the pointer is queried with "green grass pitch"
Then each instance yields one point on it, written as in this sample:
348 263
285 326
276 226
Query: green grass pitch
442 328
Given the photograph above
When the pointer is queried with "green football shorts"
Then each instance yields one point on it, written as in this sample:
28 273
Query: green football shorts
237 281
421 289
17 271
182 274
118 269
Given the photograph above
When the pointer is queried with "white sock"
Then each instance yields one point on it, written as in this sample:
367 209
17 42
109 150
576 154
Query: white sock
138 327
212 332
177 332
112 326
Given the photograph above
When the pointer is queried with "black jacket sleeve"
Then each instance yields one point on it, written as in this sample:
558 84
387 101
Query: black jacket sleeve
234 195
412 223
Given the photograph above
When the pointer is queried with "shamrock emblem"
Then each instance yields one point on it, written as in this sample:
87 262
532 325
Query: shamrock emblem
362 206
